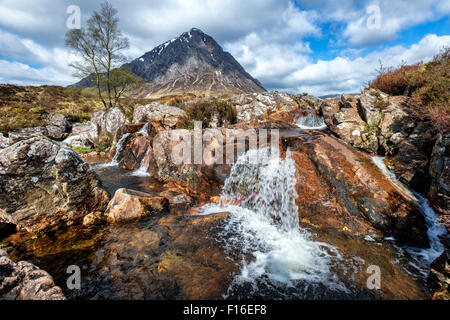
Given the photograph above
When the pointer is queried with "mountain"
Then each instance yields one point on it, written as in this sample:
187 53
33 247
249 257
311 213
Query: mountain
193 62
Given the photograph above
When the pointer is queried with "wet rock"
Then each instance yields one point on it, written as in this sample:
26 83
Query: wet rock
130 204
93 219
411 161
6 229
439 277
199 175
135 148
44 185
179 202
25 281
133 128
168 115
439 171
341 188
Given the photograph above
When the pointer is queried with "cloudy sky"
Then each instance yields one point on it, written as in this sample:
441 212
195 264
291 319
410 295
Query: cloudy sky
320 47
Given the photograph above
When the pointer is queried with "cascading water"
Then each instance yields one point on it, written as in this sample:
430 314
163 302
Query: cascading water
311 122
260 194
142 171
435 230
114 161
144 130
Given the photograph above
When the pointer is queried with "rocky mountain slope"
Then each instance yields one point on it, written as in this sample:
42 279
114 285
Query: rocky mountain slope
193 62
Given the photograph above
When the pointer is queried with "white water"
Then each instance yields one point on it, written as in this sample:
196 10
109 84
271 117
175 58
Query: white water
114 162
311 122
260 195
144 130
142 171
435 229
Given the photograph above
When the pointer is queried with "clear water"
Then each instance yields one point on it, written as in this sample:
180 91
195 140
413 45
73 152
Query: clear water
260 195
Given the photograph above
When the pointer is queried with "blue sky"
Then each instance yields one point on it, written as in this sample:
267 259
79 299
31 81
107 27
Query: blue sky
320 47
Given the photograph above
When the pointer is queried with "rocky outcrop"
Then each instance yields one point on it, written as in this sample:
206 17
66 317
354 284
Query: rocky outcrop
385 125
25 281
196 174
107 122
167 115
439 171
341 188
343 119
129 205
44 185
259 106
56 127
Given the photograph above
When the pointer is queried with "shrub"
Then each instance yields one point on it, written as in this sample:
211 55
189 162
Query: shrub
210 113
428 83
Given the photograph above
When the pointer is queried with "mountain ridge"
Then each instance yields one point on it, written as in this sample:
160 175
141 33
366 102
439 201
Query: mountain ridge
190 63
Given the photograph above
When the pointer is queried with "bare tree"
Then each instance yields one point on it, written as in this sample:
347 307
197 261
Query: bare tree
99 48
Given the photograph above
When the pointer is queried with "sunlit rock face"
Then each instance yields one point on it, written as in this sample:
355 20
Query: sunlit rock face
341 188
44 185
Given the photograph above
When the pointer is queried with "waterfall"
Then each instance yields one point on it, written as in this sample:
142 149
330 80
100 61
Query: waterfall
144 130
142 171
260 194
311 122
119 148
435 229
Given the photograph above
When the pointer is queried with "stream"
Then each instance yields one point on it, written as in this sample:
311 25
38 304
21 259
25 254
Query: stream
277 258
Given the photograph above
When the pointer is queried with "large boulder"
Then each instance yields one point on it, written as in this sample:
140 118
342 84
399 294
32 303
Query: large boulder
129 205
107 122
44 185
57 126
341 188
25 281
168 115
200 176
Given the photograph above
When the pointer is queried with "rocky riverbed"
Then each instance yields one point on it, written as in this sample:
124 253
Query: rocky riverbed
312 221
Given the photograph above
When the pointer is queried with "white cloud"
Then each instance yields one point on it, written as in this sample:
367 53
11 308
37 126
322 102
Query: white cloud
345 75
268 37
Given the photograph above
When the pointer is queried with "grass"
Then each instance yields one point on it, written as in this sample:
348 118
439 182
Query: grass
27 106
427 83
